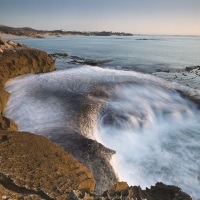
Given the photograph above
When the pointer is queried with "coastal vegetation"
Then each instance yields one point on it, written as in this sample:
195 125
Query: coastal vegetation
29 32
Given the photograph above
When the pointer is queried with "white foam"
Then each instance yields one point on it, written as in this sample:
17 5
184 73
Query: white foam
161 144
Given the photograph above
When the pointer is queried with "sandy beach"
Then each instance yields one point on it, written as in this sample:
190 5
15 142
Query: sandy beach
9 36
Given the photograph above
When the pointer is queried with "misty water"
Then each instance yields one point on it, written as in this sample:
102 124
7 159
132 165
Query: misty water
153 128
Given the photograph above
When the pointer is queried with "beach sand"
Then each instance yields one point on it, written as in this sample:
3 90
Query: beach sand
9 36
5 36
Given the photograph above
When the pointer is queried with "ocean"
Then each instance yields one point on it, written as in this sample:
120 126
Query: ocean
151 125
138 53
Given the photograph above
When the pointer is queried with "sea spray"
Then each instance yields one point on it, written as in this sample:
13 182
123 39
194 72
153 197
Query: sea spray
154 132
153 129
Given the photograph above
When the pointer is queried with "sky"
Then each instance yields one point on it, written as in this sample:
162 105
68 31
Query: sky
171 17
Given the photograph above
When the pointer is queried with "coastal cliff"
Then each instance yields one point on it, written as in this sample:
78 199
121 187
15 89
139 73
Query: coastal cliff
32 167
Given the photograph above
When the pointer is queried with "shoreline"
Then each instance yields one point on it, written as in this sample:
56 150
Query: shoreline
119 188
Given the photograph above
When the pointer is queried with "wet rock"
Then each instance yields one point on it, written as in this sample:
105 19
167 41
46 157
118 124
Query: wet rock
64 55
163 70
92 155
157 192
82 61
189 69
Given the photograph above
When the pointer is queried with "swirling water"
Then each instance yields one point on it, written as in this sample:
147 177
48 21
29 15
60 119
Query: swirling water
154 130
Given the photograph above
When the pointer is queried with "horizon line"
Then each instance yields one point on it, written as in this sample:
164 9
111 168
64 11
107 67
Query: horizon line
139 34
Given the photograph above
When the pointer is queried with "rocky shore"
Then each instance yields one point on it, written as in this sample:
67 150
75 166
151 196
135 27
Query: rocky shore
189 76
32 167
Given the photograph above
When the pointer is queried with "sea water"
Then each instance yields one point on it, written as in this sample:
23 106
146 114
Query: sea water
138 53
154 129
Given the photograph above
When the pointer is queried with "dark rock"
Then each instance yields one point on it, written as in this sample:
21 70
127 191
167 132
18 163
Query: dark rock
92 155
163 70
7 124
64 55
158 192
188 69
83 61
144 39
4 138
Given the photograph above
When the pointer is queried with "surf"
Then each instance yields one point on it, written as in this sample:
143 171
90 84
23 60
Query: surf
148 122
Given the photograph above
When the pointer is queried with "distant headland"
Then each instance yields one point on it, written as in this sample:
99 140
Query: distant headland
30 32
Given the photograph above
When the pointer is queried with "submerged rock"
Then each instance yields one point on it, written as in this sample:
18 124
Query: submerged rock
189 76
76 60
59 55
91 62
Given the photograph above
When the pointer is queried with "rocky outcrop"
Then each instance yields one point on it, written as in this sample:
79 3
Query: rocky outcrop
189 76
17 59
122 191
33 165
157 192
93 155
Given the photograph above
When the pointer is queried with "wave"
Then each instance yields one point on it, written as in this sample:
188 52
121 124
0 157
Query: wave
152 127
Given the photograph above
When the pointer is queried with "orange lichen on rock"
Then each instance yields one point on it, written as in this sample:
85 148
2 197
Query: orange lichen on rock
15 60
33 164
